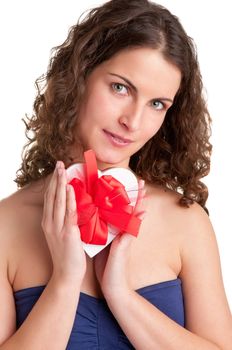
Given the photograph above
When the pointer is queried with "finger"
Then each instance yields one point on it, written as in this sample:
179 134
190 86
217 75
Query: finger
139 206
60 198
71 210
122 241
141 215
49 196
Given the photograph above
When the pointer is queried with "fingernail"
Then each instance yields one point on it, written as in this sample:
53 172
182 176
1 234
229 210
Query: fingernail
142 182
57 164
60 171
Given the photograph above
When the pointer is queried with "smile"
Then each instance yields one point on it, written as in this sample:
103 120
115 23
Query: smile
117 140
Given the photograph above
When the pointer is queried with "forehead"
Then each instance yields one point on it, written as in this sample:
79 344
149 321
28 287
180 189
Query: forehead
146 68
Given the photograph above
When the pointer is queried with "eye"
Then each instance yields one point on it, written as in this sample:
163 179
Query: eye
158 105
118 87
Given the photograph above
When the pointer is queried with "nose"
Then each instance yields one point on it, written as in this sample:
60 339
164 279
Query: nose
131 116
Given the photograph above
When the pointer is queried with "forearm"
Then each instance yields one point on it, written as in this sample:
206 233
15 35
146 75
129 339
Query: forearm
49 324
148 328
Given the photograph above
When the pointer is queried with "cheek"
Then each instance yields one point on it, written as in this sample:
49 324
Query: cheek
100 107
152 127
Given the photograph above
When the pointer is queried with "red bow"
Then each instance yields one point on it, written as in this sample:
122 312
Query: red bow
100 201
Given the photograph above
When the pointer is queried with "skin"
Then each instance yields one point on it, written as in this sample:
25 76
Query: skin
135 115
181 242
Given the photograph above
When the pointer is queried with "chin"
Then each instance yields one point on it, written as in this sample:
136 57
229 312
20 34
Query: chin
109 159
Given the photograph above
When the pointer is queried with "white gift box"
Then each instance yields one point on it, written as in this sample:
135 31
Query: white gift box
125 177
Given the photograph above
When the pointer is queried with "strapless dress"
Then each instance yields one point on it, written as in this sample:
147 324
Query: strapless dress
95 327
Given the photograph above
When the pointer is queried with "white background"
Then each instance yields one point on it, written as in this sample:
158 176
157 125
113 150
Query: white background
29 29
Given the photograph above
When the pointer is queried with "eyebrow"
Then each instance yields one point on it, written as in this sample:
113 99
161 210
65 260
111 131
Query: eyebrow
135 88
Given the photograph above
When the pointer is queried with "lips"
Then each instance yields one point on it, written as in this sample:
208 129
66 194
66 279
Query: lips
120 138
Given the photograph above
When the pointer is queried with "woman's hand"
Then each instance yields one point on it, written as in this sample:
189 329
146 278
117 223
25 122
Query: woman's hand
60 227
111 264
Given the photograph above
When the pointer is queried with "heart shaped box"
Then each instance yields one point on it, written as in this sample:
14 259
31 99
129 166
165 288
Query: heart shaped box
127 179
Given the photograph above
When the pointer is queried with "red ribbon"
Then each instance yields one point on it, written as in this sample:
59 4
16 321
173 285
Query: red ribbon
100 201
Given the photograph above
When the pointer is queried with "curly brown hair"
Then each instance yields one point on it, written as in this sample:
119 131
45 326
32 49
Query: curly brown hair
178 155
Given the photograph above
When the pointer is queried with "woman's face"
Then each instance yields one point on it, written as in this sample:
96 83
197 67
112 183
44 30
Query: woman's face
125 103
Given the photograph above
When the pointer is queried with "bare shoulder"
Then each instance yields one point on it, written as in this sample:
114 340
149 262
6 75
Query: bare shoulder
186 221
15 209
11 219
27 200
10 210
167 198
18 214
192 227
201 274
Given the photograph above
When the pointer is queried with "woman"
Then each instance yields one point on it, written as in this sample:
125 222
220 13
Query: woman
126 84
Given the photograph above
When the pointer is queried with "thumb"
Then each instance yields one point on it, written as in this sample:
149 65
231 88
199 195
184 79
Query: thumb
122 242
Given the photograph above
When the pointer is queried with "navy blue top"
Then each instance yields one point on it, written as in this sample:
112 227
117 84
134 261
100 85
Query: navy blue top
95 326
